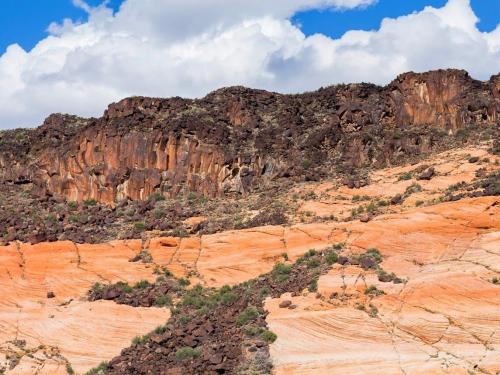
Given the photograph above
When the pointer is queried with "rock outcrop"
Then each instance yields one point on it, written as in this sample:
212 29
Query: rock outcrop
235 138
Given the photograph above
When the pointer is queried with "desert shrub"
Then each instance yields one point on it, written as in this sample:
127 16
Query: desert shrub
413 188
382 203
332 258
419 203
72 205
160 329
124 287
338 246
186 353
313 263
373 311
143 284
140 225
138 340
69 369
89 202
252 330
163 300
313 285
101 369
374 253
371 208
97 288
405 176
268 336
306 163
249 314
281 272
184 282
372 290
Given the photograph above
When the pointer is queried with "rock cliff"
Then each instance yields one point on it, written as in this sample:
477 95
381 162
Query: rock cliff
235 138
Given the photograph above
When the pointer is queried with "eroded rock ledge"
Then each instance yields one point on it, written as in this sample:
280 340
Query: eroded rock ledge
235 138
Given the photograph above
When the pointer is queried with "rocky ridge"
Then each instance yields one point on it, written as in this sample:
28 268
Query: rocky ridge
235 139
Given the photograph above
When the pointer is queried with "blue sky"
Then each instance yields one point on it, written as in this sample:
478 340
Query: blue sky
188 48
25 21
334 24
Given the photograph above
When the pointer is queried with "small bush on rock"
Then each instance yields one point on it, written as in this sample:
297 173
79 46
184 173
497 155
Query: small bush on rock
186 353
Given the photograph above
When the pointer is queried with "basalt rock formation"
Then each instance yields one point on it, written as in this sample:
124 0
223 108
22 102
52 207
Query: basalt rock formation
235 139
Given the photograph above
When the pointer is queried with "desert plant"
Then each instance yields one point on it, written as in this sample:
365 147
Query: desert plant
268 336
247 315
405 176
186 353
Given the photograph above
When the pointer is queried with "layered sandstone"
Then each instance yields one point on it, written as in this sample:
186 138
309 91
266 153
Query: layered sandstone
443 318
234 139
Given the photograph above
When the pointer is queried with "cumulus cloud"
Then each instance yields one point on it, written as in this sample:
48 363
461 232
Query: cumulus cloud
188 48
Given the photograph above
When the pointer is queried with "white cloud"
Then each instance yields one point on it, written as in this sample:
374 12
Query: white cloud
188 48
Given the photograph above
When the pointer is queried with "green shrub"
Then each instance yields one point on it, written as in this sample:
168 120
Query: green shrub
184 319
184 282
143 284
101 369
419 203
124 286
313 285
74 218
138 340
313 263
163 300
281 272
97 288
332 258
89 202
160 329
338 246
371 208
373 291
285 256
249 314
268 336
69 369
186 353
405 176
306 164
413 188
374 253
139 225
252 331
72 205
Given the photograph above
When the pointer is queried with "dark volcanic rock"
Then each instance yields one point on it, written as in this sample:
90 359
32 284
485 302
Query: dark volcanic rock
235 138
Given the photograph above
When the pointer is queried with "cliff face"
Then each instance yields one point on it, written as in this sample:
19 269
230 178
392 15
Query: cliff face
235 138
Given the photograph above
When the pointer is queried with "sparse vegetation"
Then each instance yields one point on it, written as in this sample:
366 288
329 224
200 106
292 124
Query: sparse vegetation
268 336
405 176
250 314
372 290
187 353
99 370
